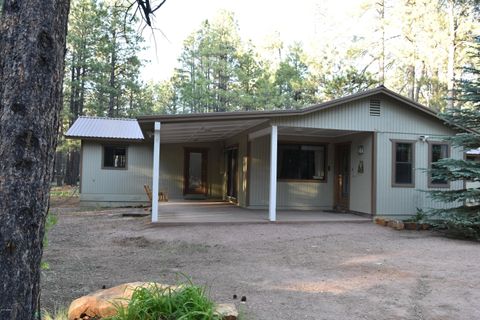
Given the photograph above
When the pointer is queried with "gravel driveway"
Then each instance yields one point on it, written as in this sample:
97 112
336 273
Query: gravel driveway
298 271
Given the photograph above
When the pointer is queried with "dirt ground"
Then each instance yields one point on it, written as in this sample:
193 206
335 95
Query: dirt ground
298 271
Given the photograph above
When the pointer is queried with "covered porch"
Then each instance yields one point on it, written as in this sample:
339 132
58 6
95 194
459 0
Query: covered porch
186 212
249 163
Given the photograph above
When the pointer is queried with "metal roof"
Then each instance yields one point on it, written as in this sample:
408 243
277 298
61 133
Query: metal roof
474 151
105 128
290 112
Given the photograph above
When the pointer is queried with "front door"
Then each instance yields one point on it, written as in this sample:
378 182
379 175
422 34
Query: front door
342 176
232 170
195 172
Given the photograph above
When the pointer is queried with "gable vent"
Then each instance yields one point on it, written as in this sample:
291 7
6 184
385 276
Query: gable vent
375 108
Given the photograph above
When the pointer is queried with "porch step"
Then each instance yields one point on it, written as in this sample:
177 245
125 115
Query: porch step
230 223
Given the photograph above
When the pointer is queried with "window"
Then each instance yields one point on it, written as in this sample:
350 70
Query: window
436 152
302 162
403 162
473 157
114 157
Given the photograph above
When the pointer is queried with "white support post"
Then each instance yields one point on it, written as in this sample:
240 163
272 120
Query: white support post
272 204
156 172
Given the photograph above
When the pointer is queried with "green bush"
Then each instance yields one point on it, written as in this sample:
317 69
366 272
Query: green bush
463 222
188 302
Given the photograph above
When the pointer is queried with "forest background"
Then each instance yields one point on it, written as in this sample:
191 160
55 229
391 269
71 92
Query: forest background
418 48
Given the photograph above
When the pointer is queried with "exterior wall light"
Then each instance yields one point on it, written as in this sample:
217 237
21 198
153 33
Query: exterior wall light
360 150
423 138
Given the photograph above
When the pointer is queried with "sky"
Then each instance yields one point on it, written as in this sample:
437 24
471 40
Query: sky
300 20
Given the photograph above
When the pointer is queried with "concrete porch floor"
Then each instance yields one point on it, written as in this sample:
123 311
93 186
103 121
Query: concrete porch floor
218 212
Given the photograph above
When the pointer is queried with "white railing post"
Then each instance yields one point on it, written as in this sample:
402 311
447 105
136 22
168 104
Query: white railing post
156 172
272 204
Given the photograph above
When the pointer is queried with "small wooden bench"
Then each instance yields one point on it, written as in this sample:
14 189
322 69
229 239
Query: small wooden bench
162 196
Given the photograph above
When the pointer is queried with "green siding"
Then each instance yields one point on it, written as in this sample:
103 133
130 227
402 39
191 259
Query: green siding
125 187
111 186
398 201
355 116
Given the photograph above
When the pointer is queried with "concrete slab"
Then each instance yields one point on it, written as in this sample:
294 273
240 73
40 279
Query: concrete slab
214 212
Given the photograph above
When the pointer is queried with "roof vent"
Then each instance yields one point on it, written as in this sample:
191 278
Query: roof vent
375 108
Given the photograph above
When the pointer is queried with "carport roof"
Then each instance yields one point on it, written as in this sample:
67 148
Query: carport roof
204 131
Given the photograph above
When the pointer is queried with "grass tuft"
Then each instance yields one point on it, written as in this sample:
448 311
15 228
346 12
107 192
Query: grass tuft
60 314
187 302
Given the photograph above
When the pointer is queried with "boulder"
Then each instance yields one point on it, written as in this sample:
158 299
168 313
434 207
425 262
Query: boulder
102 303
381 221
227 311
400 225
396 224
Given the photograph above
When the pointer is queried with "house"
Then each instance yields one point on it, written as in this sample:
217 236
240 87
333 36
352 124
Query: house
364 153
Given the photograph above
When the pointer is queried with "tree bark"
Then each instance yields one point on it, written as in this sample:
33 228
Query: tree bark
32 50
418 82
381 62
112 82
72 87
59 171
72 167
452 48
412 76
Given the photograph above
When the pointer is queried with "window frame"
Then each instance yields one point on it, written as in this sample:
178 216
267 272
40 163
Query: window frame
114 146
449 153
394 162
305 143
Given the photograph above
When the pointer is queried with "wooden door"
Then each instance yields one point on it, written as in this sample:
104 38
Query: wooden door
232 173
195 172
342 177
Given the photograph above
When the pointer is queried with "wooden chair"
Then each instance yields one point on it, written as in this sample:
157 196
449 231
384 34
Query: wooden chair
162 196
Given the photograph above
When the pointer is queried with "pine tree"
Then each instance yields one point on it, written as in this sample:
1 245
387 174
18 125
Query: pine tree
346 82
464 218
293 80
207 66
84 26
118 61
254 90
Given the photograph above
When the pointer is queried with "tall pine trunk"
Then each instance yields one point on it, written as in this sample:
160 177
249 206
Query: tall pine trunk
72 166
112 81
381 62
452 47
411 76
32 50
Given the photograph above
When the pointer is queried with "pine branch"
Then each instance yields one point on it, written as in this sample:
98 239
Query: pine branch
472 194
465 118
455 169
467 141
